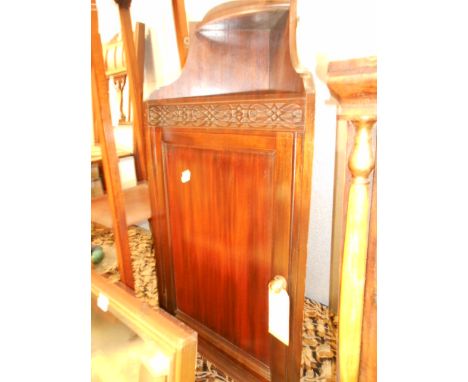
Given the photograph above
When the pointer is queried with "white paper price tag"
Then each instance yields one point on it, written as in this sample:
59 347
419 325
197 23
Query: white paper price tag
278 315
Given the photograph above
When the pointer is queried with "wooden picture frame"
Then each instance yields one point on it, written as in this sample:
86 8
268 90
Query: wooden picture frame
172 338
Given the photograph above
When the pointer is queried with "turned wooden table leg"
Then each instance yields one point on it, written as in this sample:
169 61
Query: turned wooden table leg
361 164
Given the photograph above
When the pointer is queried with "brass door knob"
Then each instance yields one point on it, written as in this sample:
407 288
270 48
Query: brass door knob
278 284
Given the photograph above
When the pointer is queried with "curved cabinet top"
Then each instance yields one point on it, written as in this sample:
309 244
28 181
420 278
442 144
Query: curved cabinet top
239 47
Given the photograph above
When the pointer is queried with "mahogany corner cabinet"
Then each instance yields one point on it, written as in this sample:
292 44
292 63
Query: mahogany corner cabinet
230 147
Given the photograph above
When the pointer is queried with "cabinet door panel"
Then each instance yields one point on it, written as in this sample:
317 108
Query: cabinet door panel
227 226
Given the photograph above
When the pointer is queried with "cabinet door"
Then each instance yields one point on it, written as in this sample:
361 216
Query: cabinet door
228 202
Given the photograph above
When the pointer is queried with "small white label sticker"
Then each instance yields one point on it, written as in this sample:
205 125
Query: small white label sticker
185 177
103 302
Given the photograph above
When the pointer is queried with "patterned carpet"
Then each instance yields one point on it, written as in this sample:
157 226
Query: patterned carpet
318 331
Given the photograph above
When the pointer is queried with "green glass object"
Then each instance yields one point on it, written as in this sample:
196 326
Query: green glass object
97 255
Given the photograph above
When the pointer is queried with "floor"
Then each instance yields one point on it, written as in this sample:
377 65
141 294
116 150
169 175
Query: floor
319 326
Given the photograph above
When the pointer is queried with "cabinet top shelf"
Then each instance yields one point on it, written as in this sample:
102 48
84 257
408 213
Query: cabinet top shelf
239 47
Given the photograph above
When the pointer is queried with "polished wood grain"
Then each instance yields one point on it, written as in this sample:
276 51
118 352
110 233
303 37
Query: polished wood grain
100 98
234 358
95 129
245 14
257 208
283 75
139 37
354 79
229 365
354 84
220 249
181 27
240 119
340 203
135 87
368 366
251 55
345 136
159 221
302 187
96 134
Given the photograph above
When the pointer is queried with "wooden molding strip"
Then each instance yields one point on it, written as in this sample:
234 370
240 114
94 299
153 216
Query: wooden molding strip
354 84
245 114
225 346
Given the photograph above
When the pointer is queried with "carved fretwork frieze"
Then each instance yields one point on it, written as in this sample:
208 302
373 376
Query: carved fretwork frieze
228 115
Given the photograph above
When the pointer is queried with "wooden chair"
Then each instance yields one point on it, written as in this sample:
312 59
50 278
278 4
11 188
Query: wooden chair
116 73
121 208
103 123
128 63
